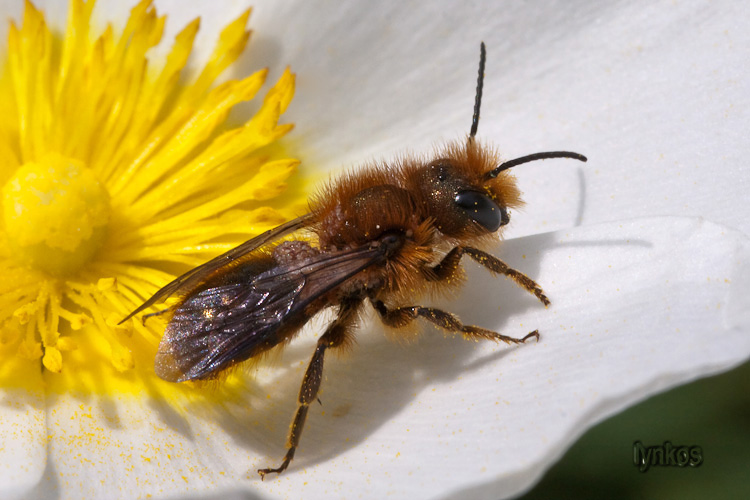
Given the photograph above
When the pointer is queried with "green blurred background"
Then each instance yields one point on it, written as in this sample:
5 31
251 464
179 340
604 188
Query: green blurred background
713 413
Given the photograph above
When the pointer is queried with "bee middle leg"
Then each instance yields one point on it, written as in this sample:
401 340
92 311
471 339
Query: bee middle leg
401 316
447 267
335 335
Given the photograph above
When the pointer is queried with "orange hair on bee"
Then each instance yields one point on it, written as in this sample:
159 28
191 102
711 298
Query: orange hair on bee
361 205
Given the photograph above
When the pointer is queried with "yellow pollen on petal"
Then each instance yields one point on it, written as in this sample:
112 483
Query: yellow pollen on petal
56 214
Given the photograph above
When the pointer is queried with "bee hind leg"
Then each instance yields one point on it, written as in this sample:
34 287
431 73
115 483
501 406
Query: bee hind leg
336 335
401 316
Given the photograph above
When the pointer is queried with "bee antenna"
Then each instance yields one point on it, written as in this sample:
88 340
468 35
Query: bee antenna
478 98
526 159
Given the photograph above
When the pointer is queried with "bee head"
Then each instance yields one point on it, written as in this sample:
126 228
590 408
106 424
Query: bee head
466 189
456 197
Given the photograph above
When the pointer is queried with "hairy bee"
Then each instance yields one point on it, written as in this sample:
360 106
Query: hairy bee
382 236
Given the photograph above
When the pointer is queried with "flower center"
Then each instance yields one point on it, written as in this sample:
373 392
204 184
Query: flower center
55 213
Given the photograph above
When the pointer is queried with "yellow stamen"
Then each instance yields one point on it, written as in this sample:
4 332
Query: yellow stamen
116 174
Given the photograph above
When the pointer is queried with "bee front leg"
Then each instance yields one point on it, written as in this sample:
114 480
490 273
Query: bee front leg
335 335
401 316
447 267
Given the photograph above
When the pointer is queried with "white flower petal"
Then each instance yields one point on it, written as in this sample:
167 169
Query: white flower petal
126 447
638 307
23 441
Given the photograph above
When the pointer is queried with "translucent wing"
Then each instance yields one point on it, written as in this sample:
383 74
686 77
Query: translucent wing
195 276
223 325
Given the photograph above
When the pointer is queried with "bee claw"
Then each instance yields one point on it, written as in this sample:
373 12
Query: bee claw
534 334
263 472
279 469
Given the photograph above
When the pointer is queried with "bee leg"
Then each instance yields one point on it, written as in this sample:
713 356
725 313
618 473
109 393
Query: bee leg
335 335
447 267
157 313
401 316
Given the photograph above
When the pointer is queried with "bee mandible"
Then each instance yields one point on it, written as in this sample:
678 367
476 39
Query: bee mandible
382 235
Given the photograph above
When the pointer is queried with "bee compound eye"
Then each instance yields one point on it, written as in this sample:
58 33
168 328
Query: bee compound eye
482 209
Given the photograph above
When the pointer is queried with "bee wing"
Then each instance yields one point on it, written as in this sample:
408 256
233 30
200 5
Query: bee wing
220 326
194 277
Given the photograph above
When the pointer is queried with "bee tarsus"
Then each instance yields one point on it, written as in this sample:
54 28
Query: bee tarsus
401 316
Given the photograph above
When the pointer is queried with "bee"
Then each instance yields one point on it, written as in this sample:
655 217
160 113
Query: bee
383 235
